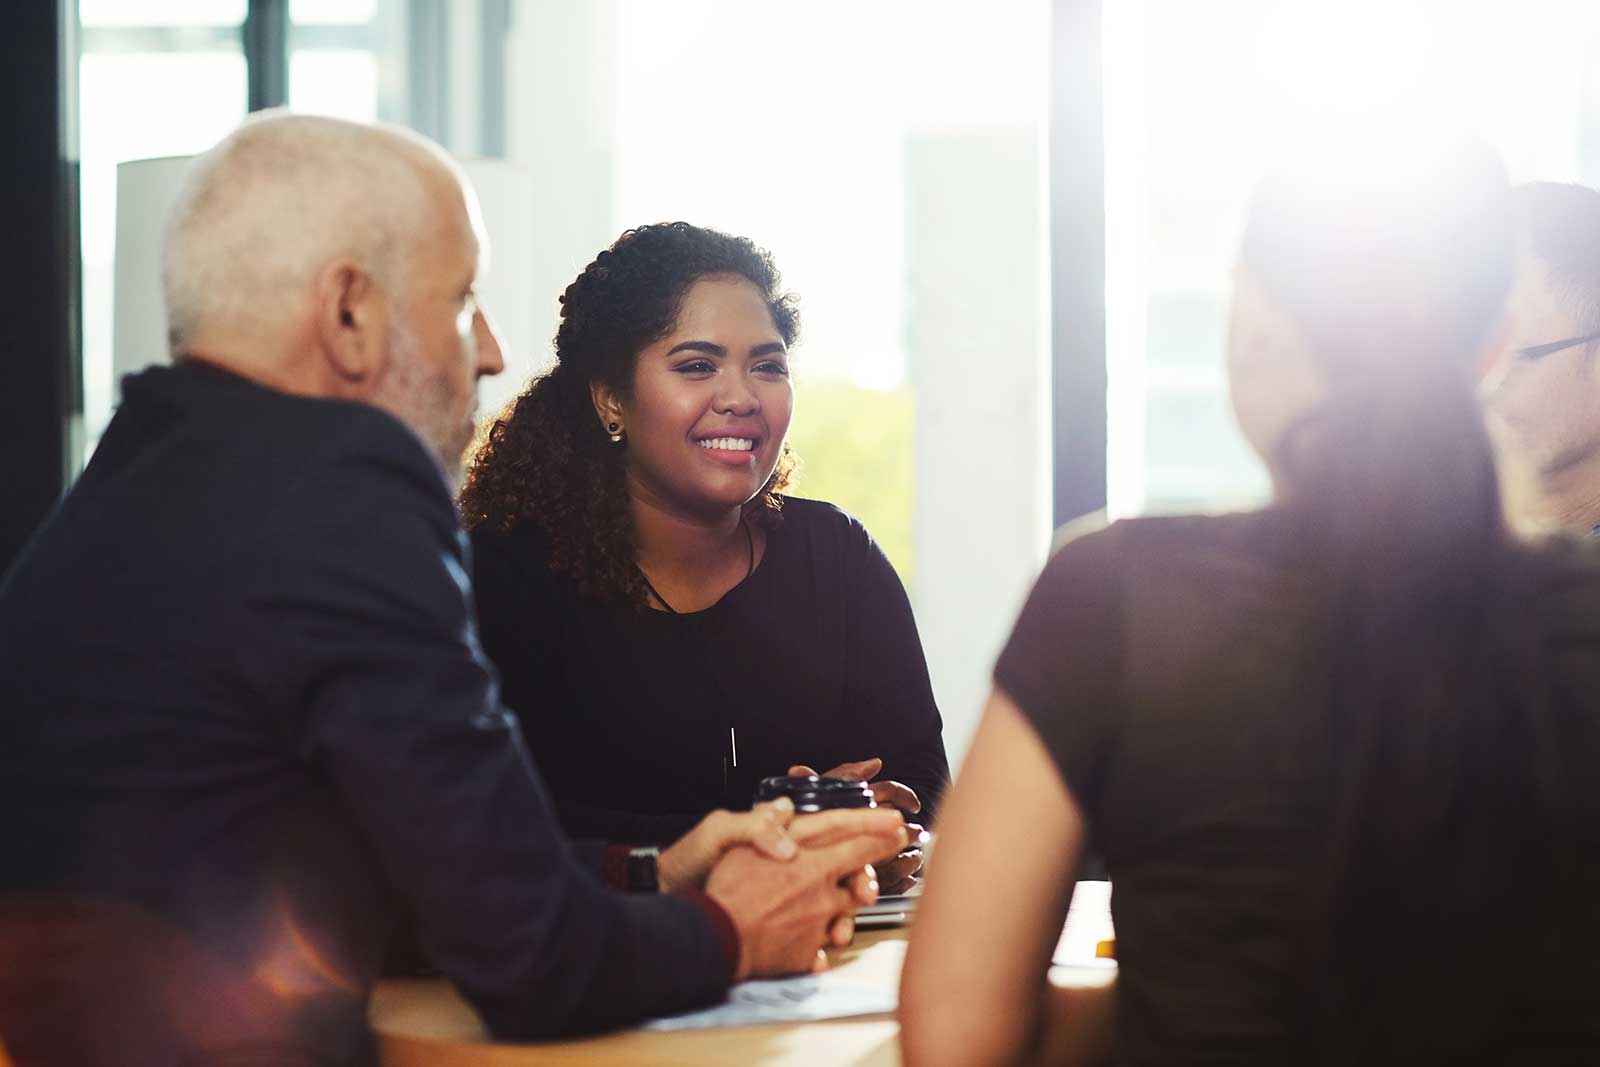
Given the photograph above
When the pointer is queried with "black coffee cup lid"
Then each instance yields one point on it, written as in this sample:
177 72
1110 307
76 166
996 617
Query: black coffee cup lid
813 792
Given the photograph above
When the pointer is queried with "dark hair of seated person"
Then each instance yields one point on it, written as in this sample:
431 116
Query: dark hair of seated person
1446 857
548 461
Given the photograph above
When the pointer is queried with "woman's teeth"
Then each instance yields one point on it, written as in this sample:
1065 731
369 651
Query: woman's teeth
729 444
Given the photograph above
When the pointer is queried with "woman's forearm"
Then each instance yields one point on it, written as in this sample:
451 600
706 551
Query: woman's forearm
998 889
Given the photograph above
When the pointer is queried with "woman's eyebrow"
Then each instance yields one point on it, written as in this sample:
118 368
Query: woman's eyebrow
698 346
769 349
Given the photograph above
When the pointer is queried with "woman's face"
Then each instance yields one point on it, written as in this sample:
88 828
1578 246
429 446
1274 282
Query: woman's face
711 402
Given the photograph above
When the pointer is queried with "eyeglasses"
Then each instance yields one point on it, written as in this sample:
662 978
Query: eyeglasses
1540 351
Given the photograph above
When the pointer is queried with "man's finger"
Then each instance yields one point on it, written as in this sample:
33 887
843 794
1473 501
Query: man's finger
896 795
800 770
898 868
900 888
857 772
825 828
843 930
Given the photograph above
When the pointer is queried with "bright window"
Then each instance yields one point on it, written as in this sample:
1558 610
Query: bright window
135 104
769 122
168 77
1192 94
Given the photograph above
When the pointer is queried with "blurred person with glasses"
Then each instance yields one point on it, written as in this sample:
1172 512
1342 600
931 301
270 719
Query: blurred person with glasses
1543 402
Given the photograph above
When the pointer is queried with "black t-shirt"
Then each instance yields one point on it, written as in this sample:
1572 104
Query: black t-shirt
1176 671
813 659
242 705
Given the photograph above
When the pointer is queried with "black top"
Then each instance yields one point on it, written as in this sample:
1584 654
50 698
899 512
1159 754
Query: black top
241 692
813 659
1176 671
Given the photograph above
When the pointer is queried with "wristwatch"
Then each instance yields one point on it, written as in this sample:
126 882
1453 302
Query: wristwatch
642 876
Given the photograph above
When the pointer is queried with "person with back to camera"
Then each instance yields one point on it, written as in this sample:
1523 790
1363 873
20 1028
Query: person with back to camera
1338 753
670 625
244 716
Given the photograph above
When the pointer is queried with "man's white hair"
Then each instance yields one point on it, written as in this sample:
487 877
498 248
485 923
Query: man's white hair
277 200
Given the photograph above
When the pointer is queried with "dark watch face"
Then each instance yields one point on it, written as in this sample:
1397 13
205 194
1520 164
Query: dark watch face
641 871
816 793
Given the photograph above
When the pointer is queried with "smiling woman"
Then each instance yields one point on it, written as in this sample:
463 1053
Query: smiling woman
670 625
705 417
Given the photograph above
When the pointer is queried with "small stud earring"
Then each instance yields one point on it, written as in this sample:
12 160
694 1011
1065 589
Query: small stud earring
615 430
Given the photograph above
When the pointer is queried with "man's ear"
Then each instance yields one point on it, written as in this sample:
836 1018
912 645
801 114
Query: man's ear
351 322
608 406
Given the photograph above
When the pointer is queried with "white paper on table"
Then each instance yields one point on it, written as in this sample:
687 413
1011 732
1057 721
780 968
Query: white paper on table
1088 923
805 998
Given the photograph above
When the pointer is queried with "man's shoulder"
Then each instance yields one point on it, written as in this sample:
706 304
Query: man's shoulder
232 472
192 413
322 448
349 440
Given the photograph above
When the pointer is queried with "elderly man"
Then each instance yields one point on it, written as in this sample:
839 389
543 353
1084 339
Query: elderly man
1544 408
243 712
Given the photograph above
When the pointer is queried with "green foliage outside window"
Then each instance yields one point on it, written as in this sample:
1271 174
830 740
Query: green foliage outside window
855 449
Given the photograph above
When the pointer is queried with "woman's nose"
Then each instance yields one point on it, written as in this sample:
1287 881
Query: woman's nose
735 396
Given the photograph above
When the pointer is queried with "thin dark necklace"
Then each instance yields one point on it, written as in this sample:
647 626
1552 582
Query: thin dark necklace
749 568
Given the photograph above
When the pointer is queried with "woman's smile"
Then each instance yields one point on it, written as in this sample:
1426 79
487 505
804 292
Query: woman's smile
728 444
731 450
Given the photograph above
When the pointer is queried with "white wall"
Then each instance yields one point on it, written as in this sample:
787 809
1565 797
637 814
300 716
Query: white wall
980 372
977 234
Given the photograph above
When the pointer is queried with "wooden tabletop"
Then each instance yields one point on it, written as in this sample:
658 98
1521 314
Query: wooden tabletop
425 1023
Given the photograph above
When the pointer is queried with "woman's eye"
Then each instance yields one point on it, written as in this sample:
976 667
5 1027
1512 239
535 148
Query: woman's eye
695 366
772 367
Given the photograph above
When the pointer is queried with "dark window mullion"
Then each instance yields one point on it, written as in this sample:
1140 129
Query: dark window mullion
42 398
1077 260
266 53
428 68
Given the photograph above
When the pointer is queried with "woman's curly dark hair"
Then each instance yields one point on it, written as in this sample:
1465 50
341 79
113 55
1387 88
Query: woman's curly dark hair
548 462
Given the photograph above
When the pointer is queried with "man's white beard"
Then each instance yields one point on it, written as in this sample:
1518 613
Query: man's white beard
419 397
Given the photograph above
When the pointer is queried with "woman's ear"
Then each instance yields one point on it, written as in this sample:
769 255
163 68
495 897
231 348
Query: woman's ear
608 407
1273 380
351 322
